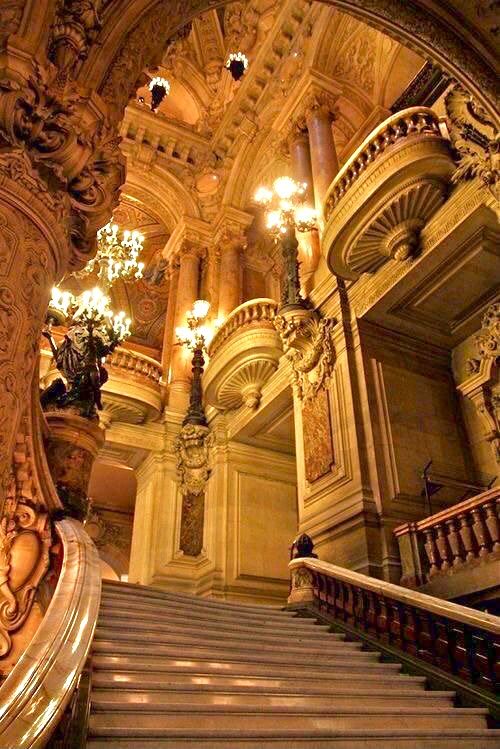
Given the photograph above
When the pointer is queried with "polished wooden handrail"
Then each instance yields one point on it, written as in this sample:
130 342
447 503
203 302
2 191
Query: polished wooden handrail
36 692
455 639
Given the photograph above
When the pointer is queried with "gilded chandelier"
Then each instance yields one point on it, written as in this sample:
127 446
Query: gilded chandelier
117 255
285 206
90 309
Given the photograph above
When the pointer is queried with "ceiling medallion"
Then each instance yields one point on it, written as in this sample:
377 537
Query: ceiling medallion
159 88
237 63
117 255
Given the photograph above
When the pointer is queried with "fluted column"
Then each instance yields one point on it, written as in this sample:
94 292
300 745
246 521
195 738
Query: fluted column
231 245
187 292
319 115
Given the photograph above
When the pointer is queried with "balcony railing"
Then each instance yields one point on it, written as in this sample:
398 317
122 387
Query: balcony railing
138 364
385 194
406 124
244 354
462 535
261 311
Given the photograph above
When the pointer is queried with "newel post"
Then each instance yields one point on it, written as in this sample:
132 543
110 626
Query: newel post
301 578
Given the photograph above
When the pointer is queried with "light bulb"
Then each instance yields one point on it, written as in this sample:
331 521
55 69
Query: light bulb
263 196
200 309
273 220
285 187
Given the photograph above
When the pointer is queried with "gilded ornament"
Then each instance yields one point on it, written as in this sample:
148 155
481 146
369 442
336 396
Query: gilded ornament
192 450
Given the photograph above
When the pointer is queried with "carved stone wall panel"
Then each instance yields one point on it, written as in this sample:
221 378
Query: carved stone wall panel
317 433
192 524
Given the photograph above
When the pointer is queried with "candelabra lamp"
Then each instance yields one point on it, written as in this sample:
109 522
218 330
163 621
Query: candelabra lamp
159 88
196 335
287 213
93 333
237 63
117 256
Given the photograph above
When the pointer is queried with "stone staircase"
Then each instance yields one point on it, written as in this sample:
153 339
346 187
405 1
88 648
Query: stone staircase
178 671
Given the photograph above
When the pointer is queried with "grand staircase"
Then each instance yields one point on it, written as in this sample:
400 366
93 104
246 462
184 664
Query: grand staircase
178 671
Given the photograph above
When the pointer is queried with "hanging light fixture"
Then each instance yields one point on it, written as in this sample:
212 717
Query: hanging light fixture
116 257
159 88
237 63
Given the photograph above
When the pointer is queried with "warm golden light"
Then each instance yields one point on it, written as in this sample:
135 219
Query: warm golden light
263 196
201 308
116 257
285 187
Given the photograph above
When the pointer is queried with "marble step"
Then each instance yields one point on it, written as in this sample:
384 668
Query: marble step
123 672
355 660
177 697
141 722
144 592
157 613
303 646
206 628
241 666
313 739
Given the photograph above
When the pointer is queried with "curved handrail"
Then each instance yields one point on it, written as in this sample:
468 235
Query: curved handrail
36 692
252 311
403 124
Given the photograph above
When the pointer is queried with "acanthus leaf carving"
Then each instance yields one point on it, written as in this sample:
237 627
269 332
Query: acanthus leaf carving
76 26
475 138
308 343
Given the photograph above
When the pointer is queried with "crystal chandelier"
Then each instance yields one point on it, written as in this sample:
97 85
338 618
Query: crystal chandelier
159 88
237 63
116 257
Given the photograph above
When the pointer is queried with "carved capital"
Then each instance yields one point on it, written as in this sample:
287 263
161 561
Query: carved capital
319 103
308 343
192 451
488 340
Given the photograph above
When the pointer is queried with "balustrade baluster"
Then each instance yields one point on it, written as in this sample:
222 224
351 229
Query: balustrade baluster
431 551
454 541
480 531
491 521
466 536
442 546
441 644
425 636
409 630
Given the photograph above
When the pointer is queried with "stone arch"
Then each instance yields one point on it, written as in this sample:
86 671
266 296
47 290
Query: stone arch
134 33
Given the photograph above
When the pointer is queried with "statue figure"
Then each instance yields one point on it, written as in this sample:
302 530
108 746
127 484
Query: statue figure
80 359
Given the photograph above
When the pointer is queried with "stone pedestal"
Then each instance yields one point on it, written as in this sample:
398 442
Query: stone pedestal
72 446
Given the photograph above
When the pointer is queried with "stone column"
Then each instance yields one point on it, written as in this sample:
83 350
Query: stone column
231 245
169 332
300 155
319 115
187 292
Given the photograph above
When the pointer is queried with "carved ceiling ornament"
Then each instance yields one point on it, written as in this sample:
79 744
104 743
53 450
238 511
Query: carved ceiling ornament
67 154
76 27
308 343
192 449
488 339
475 138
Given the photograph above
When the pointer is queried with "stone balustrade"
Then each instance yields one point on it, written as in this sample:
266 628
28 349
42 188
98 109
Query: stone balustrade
405 124
463 535
386 192
261 311
244 354
139 364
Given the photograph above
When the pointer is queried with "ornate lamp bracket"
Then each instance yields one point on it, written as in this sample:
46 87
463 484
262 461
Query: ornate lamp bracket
192 450
308 343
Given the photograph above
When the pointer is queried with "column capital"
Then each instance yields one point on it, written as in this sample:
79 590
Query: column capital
319 103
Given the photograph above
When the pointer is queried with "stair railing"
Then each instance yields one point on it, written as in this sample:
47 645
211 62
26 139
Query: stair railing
450 644
36 693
